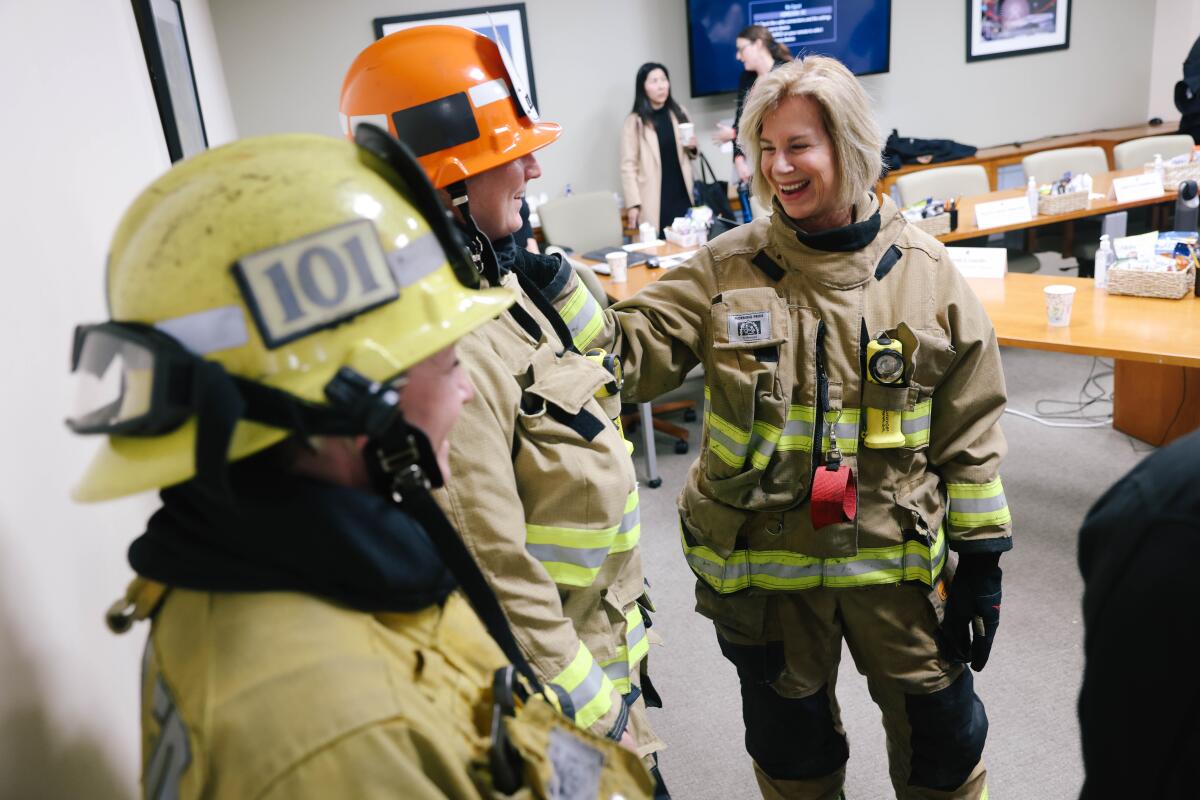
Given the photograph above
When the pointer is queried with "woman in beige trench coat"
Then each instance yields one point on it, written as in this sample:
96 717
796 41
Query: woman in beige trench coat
656 170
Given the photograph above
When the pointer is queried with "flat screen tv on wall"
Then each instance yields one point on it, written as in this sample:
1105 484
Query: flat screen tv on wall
857 32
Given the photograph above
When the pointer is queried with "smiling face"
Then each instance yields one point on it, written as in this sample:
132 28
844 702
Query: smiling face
495 196
657 88
799 163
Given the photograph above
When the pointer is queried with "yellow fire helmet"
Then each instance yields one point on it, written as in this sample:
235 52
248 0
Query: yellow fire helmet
272 263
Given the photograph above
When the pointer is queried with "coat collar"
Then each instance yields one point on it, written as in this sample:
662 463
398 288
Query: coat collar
841 258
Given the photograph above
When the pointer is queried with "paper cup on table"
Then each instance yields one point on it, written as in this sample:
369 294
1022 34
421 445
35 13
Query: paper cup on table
647 233
687 133
1058 304
618 263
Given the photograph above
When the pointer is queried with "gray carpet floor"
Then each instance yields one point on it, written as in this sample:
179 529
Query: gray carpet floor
1051 478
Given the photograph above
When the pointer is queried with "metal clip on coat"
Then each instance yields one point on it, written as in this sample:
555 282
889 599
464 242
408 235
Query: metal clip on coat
885 366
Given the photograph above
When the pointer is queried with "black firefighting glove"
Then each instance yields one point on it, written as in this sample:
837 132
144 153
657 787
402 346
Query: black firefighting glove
972 610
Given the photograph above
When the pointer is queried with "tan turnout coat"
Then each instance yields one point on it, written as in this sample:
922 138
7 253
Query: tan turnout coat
544 494
285 695
641 167
757 307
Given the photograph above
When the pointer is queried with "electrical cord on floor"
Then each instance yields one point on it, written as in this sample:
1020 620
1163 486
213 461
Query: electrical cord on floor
1071 411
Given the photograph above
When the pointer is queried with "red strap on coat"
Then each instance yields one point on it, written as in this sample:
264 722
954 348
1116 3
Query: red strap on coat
834 496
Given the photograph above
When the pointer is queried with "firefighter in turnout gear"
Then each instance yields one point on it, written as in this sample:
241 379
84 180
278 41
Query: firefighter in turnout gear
801 532
280 363
544 490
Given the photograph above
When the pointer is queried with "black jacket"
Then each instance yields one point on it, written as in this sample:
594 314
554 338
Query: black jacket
1139 708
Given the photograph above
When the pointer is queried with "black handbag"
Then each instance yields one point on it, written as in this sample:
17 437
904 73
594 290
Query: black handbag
711 192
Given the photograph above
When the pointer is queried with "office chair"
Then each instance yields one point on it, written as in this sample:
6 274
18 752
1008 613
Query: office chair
582 222
961 181
647 414
1081 237
1138 152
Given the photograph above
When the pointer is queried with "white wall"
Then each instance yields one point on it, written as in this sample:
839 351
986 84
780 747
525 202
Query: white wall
1176 26
81 137
285 60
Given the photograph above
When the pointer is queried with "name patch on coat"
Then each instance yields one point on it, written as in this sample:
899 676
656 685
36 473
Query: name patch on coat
750 327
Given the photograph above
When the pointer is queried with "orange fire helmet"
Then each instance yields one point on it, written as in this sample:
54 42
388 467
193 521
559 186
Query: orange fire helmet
449 93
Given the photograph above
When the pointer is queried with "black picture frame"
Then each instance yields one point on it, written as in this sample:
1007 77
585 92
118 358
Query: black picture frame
510 16
1046 27
169 62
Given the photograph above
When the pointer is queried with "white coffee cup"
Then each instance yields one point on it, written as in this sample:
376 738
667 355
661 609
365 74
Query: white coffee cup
618 263
687 133
646 233
1059 298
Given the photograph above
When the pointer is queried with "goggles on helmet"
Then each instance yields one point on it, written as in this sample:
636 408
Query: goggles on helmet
131 380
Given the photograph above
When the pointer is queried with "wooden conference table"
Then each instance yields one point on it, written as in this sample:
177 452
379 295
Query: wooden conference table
967 229
1156 356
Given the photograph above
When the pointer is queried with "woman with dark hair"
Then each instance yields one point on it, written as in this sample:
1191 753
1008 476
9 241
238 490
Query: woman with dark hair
759 53
656 170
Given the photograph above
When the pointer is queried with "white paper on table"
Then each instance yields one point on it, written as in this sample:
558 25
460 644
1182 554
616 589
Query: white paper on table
675 259
600 267
1140 247
980 262
635 246
1137 187
998 213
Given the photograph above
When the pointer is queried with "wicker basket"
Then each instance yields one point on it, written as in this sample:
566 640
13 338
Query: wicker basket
934 226
1062 203
1174 175
1172 285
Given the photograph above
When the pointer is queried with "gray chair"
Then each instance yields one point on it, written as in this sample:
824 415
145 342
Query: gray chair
582 222
959 181
645 410
1049 166
1138 152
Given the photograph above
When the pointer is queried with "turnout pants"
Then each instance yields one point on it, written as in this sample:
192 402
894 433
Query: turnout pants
787 647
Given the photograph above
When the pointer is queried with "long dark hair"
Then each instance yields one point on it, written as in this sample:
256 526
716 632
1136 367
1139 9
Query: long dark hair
641 103
757 33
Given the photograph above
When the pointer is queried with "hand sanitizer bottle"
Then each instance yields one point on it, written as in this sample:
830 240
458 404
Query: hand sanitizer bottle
1031 194
1105 256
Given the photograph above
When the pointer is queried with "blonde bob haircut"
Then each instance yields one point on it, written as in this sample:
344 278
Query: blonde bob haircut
845 112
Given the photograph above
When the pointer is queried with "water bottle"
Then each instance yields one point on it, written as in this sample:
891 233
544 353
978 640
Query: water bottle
1031 194
1159 171
1105 256
744 198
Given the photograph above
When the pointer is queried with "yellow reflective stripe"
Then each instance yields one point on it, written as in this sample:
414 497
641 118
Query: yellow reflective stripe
798 431
635 635
915 424
571 556
726 441
784 570
975 505
763 438
583 316
630 530
617 670
589 688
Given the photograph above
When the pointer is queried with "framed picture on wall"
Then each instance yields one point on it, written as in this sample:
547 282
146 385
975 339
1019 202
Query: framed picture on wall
504 25
164 41
1000 28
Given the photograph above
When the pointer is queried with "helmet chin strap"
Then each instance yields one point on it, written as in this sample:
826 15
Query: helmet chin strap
482 252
